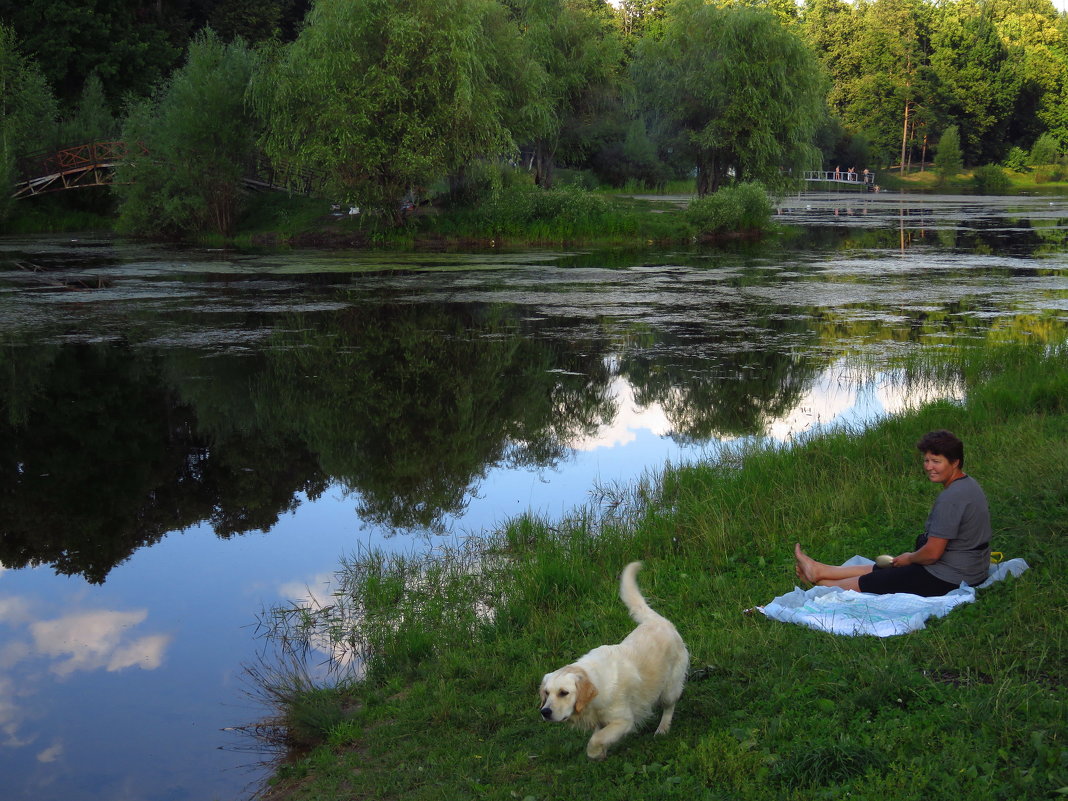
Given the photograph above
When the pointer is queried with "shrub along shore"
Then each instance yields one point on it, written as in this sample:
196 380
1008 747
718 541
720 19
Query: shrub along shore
454 645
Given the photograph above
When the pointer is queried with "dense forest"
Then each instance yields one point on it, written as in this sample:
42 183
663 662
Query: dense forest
379 100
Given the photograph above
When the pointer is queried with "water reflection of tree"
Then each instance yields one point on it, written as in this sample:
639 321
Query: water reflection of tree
99 458
105 448
408 405
739 382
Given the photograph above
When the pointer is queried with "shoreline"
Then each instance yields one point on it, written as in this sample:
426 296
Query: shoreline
448 702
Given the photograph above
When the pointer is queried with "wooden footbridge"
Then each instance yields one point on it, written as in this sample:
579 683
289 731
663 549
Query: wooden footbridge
91 164
94 164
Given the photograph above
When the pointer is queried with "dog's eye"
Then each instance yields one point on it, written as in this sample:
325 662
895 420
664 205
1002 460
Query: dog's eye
562 693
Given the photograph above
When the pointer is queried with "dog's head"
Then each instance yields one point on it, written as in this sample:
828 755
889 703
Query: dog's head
565 693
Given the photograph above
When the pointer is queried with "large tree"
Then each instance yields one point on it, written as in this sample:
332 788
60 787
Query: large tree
977 82
386 96
1038 41
200 138
574 53
735 90
891 89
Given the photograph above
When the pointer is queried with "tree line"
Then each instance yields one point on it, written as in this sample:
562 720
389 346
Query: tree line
386 98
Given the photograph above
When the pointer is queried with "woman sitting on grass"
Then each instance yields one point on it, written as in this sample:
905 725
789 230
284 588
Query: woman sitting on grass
955 545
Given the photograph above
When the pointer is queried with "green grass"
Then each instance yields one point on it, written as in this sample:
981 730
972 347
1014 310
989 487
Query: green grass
971 707
1049 179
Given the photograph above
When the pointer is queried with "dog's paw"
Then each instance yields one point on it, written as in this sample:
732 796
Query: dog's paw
663 728
596 752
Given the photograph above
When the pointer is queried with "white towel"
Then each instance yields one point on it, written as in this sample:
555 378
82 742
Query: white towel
839 611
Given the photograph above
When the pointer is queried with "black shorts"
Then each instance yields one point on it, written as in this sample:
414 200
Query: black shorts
909 578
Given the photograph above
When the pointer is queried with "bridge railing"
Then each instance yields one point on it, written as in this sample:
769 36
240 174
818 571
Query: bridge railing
94 163
840 176
78 158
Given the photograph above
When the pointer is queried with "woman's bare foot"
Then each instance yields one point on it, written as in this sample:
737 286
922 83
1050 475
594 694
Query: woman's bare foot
807 568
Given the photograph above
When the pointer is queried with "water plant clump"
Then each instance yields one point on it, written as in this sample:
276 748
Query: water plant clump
771 711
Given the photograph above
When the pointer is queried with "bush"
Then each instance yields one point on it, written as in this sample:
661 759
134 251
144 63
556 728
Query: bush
990 180
567 211
1045 150
1048 173
1017 159
743 207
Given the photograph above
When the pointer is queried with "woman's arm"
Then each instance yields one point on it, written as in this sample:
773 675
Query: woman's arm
930 553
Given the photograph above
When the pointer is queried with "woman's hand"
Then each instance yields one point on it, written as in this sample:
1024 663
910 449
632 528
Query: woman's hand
930 553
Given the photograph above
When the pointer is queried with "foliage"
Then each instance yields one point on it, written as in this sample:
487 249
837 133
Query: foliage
978 81
92 120
383 98
881 84
1050 173
741 207
572 57
1045 150
130 45
948 161
27 111
199 135
990 179
568 210
256 20
733 89
1017 159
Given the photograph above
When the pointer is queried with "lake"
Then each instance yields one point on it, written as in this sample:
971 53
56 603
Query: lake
190 437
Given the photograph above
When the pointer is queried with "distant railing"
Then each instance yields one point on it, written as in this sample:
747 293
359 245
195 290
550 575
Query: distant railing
866 178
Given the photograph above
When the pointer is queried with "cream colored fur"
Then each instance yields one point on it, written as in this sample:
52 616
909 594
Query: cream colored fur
614 688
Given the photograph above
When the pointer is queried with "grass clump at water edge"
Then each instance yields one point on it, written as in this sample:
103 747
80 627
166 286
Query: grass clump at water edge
771 711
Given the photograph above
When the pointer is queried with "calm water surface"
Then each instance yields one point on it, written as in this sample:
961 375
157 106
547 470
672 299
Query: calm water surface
188 437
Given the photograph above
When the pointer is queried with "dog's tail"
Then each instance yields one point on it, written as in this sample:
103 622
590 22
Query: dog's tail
632 596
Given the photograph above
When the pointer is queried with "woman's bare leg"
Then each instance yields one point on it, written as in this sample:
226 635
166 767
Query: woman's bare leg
808 569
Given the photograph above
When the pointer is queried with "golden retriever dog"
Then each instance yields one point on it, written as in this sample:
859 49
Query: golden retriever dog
614 688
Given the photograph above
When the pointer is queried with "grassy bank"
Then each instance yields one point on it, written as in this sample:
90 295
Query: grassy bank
972 707
517 214
1039 180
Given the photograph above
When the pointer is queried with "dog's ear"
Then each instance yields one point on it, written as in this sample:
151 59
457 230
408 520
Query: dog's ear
585 690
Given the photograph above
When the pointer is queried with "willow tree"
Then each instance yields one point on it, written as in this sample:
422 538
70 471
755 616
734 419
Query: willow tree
738 92
573 55
385 96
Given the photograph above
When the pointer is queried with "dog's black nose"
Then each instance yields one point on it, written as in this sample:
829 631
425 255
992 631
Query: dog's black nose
546 712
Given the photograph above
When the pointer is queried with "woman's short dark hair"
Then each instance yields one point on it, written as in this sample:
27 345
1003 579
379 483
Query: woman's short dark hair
942 443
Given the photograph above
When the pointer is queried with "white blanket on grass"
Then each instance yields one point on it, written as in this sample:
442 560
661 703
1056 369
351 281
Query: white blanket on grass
839 611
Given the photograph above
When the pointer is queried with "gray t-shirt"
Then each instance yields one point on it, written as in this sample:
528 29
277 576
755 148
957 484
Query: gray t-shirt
960 515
